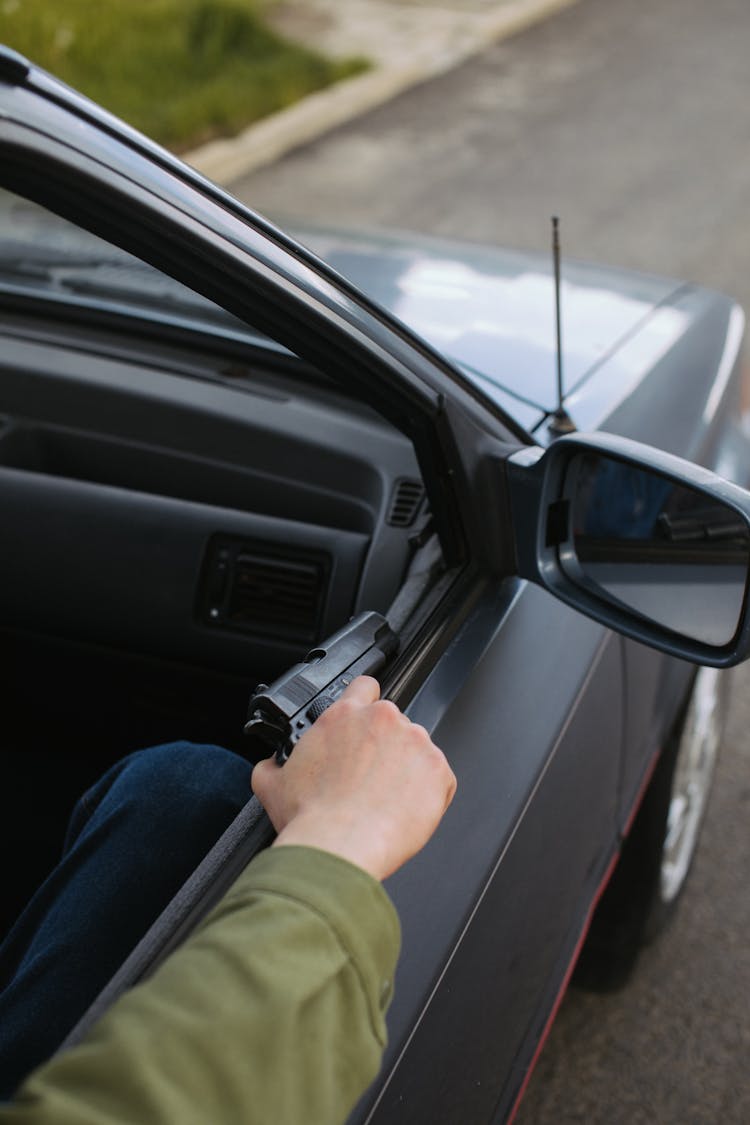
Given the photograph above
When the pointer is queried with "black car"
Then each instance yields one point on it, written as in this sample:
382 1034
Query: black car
215 450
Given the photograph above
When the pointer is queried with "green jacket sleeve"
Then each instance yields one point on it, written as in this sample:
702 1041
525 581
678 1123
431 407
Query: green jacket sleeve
273 1011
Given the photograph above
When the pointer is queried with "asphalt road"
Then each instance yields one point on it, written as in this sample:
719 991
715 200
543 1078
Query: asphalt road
632 121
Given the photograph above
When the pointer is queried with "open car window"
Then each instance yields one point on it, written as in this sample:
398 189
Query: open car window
285 505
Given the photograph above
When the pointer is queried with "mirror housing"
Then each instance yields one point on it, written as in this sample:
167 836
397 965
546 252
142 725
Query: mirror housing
639 540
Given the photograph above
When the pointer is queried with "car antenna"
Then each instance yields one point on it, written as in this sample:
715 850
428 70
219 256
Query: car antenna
560 422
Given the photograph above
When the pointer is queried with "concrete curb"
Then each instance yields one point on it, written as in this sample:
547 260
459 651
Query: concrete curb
227 160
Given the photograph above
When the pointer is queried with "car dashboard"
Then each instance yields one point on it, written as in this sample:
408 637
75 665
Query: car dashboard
151 509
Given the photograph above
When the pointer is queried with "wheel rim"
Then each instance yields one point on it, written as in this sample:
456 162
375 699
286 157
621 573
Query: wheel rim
694 769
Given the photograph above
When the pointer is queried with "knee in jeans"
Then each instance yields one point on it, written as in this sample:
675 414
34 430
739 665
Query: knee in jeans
185 779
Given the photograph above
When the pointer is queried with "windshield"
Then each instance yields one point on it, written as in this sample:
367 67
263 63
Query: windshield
44 255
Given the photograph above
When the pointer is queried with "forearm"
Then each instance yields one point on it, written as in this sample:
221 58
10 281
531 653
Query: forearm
273 1011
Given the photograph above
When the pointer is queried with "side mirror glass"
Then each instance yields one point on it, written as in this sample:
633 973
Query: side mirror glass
669 552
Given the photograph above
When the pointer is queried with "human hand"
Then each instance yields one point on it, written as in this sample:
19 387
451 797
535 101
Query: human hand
363 782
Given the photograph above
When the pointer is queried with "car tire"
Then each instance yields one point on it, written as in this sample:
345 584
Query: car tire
657 854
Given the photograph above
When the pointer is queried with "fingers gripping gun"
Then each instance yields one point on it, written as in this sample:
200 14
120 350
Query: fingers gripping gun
280 714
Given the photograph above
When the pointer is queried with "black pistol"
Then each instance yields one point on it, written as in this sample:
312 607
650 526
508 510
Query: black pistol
280 714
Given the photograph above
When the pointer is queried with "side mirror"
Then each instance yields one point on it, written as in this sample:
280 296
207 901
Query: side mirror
644 542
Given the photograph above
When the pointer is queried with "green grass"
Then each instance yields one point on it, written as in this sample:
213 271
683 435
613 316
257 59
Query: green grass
182 71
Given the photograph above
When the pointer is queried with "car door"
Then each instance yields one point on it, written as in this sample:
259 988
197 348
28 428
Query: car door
527 705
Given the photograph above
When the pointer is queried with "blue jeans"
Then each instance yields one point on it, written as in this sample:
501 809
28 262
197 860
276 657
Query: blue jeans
133 839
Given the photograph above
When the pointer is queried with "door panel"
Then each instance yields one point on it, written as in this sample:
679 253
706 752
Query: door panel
529 715
655 687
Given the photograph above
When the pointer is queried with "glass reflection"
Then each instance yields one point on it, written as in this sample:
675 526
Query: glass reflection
671 553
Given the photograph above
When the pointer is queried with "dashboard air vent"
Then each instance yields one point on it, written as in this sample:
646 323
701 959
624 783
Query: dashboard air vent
405 502
254 588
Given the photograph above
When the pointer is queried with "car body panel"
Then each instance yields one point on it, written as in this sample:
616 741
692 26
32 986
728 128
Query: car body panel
493 310
524 787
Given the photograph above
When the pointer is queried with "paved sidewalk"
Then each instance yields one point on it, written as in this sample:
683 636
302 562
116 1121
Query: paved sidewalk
408 41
